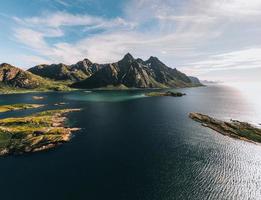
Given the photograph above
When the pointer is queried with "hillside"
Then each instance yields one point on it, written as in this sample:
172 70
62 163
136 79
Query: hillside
62 72
13 78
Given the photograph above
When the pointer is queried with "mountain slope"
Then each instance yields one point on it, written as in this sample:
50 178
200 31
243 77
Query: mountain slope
136 73
14 78
62 72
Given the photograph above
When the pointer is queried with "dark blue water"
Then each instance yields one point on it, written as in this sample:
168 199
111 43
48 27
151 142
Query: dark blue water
136 147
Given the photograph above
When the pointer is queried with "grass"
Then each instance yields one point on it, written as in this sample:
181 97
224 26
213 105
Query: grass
233 128
36 132
6 108
168 93
45 85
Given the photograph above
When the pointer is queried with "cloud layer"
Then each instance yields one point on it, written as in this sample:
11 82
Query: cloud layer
197 35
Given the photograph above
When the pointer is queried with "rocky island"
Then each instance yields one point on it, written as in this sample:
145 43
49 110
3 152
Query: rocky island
168 93
233 128
34 133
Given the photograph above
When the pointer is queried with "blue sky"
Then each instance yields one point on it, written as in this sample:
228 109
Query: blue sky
217 39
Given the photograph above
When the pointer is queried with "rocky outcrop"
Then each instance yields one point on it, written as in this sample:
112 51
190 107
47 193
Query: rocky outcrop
136 73
166 94
233 128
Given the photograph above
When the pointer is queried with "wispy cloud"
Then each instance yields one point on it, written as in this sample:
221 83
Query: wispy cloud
63 2
61 19
186 33
241 59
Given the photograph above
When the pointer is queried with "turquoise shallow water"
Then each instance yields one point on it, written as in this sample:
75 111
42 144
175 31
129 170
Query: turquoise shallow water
136 147
106 96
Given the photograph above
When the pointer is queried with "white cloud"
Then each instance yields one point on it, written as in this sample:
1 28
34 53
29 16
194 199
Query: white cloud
34 60
60 19
31 38
241 59
186 33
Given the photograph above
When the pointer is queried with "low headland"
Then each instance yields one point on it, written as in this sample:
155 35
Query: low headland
37 132
7 108
233 128
168 93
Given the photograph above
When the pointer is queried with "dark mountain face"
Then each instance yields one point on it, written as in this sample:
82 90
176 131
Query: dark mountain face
195 80
62 72
129 72
14 77
136 73
166 75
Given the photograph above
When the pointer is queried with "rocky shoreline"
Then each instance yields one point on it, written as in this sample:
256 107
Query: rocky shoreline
13 107
233 128
168 93
37 132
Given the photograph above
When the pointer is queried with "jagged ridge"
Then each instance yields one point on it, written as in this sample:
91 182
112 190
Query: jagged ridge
62 72
136 73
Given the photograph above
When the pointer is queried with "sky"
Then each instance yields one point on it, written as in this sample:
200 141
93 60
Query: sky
213 40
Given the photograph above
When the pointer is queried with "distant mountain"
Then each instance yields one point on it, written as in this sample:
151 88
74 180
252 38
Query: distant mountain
136 73
194 80
207 82
13 77
62 72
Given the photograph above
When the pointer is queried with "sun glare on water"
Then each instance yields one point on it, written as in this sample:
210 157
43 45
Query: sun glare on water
251 91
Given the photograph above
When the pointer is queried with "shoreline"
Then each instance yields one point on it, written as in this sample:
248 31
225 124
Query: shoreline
37 132
234 128
24 91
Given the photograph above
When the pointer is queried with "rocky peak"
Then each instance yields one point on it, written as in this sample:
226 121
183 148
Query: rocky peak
128 58
153 59
5 65
86 62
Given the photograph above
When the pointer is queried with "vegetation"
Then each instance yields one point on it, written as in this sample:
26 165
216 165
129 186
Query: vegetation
6 108
168 93
234 128
33 133
15 80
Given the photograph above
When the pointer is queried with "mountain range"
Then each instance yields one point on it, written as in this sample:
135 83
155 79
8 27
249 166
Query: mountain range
126 73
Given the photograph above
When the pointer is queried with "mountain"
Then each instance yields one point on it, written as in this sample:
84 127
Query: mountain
12 77
194 80
136 73
207 82
62 72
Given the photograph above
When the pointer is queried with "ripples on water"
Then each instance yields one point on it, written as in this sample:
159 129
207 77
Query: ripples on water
132 147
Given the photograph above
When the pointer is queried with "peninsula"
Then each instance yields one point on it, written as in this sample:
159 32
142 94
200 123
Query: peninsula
233 128
7 108
35 132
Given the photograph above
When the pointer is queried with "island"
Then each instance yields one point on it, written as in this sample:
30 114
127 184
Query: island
233 128
36 132
168 93
6 108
